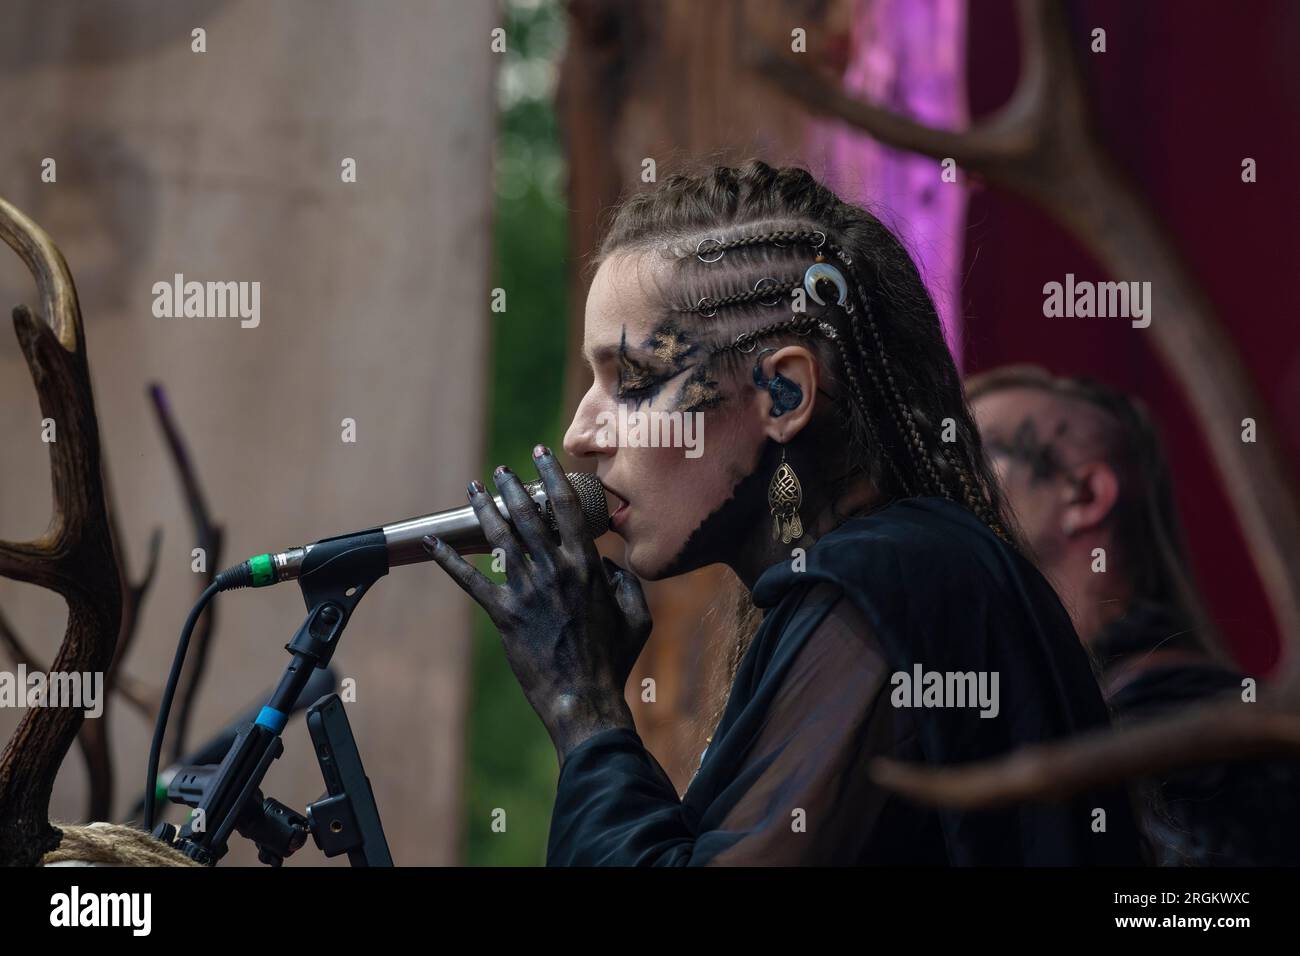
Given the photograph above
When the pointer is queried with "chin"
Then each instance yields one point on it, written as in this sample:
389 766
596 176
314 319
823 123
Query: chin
646 561
645 567
657 560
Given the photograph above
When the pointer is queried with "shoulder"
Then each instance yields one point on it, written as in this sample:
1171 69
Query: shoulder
932 583
918 545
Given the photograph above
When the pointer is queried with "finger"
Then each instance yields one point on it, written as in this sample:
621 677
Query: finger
528 523
564 501
631 600
496 529
470 579
627 590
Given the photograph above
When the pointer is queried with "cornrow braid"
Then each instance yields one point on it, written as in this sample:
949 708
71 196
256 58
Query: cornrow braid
778 237
770 295
747 341
710 250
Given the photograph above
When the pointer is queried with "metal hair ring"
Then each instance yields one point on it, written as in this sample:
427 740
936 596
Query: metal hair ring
776 295
717 244
712 309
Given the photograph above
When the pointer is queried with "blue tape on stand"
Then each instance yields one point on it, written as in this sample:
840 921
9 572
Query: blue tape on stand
272 719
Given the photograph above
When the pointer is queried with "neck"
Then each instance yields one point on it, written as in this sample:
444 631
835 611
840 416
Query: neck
758 550
1094 599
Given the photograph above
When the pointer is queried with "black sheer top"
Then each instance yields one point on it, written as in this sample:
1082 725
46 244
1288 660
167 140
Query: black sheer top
909 595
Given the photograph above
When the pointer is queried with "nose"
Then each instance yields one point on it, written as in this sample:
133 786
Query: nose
583 439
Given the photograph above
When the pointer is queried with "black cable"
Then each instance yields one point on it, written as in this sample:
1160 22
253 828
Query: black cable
237 576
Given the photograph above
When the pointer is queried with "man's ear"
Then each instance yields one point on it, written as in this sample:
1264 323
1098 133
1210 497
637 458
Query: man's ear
798 369
1091 492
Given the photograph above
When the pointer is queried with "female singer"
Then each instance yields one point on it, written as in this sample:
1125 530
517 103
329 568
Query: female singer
842 480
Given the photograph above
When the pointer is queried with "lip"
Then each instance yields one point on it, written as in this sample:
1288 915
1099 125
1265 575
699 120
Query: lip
619 514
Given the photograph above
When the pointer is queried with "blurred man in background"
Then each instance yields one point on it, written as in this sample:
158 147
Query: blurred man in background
1084 470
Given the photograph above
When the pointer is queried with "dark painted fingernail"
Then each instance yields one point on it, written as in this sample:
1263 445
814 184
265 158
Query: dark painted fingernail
541 451
476 488
430 543
501 471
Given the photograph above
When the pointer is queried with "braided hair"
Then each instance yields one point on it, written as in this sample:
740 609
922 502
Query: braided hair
740 240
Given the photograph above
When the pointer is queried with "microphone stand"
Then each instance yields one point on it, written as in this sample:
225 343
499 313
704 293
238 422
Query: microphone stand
323 681
336 573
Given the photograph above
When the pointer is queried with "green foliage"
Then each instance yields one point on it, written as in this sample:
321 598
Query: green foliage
510 761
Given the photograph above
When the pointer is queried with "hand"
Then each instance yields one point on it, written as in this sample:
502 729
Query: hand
572 623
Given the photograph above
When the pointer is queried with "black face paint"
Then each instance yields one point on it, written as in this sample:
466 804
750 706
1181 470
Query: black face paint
636 382
1025 445
671 347
732 521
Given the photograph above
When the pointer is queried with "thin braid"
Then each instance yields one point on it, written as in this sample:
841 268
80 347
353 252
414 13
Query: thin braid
760 295
766 238
903 419
896 407
904 484
912 433
876 363
861 398
859 299
974 499
915 450
795 324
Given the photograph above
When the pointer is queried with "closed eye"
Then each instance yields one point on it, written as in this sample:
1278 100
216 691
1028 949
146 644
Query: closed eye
639 394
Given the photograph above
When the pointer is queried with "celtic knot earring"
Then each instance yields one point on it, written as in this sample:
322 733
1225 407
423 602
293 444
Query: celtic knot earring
786 395
784 496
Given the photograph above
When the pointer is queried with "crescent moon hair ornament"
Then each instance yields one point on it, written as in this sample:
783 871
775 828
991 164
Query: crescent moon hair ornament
824 270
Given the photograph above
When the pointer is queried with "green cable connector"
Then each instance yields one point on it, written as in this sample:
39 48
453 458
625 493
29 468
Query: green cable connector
263 572
159 791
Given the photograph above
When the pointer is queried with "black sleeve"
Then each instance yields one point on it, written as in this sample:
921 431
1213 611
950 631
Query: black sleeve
793 798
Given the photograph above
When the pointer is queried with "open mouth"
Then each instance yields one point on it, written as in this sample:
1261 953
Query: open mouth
617 505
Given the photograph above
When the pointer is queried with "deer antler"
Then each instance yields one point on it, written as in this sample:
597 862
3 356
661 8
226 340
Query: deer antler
93 737
74 557
1042 145
1199 735
209 538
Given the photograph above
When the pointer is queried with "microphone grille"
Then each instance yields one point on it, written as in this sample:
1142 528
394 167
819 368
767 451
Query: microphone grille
591 496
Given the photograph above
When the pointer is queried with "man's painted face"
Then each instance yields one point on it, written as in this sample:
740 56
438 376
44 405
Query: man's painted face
1028 440
652 376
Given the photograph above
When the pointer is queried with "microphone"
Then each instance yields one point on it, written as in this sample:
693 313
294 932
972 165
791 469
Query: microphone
458 527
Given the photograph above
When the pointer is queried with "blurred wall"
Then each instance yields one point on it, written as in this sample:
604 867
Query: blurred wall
226 165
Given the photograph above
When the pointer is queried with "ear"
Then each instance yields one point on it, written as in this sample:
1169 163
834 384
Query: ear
1091 492
797 365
